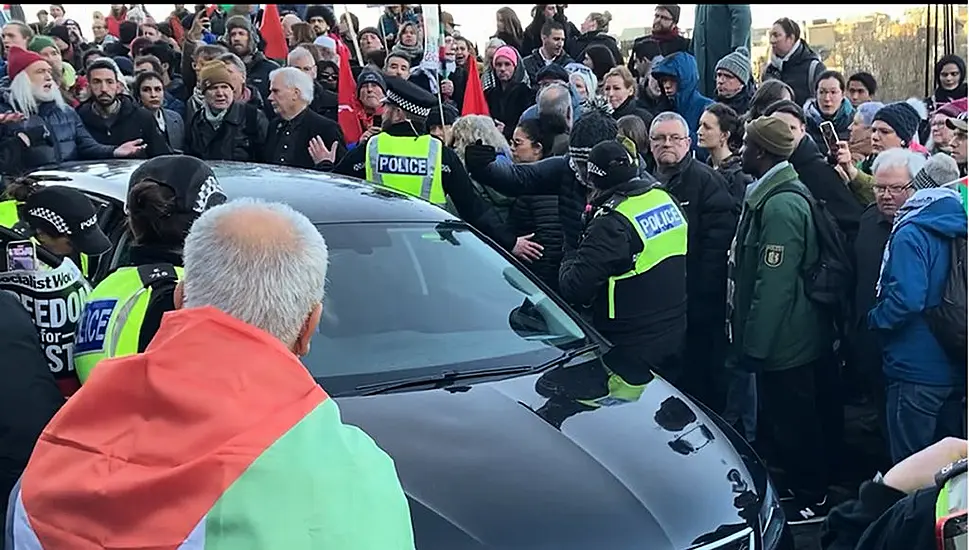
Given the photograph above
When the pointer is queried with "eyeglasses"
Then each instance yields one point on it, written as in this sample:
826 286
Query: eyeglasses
328 76
891 189
659 140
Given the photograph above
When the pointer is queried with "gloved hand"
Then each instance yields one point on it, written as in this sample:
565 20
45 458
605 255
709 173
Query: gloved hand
477 156
751 364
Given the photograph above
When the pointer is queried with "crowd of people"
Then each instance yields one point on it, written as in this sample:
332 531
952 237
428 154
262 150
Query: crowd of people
779 246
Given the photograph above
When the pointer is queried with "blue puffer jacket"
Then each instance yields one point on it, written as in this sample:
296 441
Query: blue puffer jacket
56 135
687 101
914 273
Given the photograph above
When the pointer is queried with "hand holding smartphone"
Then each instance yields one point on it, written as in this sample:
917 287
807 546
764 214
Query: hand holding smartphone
830 136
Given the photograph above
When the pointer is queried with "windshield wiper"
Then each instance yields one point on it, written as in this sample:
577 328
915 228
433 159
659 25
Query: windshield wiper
447 377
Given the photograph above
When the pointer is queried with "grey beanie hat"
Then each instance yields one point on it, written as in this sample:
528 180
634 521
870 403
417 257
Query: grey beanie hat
939 170
737 63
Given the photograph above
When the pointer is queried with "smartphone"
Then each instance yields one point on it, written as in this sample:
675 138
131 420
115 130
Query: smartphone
830 135
378 121
21 256
951 532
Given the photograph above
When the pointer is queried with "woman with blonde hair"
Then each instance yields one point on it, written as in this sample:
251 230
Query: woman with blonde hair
595 30
509 28
619 89
469 129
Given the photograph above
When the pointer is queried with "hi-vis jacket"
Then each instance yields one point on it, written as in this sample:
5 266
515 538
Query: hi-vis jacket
244 450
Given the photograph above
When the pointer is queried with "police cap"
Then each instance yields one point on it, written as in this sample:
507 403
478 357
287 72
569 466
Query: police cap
194 184
410 97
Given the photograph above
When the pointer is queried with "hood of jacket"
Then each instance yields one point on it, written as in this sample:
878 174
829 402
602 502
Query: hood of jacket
938 210
842 117
682 67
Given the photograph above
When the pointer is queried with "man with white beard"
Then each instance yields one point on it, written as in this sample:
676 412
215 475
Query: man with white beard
33 110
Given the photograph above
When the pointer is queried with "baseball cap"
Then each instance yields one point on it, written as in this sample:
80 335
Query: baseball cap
66 212
610 164
957 123
195 186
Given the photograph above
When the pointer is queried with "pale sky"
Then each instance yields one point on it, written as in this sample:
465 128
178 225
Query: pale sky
477 22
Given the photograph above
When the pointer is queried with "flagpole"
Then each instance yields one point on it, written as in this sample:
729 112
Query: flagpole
440 51
353 34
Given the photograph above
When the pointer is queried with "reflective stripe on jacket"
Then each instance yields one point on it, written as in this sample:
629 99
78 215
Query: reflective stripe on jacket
406 164
110 324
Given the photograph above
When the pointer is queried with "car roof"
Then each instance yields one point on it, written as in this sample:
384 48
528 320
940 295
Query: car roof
320 196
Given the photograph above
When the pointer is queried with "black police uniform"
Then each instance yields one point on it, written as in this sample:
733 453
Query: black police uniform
455 180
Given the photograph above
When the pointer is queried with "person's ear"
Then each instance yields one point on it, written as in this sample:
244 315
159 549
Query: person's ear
179 295
302 345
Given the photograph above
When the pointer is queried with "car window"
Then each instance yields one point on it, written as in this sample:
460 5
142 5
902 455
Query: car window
419 297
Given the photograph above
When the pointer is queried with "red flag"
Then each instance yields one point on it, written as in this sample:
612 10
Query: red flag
347 97
272 33
474 98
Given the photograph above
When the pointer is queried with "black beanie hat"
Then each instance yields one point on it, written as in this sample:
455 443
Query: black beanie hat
902 117
592 127
610 164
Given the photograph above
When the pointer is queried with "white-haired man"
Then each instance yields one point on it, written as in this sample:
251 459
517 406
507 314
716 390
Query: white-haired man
924 388
34 111
294 138
325 101
244 449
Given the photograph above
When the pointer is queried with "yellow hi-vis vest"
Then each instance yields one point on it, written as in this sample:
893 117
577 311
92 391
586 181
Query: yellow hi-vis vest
951 504
661 226
10 217
110 324
407 164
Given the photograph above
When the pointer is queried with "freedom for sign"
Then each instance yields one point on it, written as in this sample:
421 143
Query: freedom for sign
54 299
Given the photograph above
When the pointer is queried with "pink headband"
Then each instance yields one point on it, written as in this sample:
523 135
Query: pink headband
508 53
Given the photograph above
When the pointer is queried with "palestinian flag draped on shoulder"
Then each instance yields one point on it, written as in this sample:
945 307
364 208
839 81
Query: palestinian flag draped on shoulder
215 438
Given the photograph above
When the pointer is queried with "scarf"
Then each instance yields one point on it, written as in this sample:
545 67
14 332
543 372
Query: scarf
215 119
666 36
778 62
915 204
414 53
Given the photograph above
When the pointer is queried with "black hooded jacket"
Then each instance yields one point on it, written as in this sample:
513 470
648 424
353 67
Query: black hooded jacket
576 45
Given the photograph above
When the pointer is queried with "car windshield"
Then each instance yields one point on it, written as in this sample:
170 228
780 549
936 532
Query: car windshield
411 299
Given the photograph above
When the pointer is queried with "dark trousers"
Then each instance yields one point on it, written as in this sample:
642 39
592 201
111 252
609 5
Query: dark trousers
920 415
801 409
704 373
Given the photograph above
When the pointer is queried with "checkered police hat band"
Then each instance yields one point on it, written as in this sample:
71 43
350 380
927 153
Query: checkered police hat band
51 217
398 100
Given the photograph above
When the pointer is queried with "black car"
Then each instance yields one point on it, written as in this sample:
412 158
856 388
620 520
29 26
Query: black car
501 407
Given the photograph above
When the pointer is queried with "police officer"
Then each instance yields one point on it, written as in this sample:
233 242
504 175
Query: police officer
60 218
405 158
629 270
165 195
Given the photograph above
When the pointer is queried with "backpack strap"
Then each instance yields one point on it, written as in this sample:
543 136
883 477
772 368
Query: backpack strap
812 74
